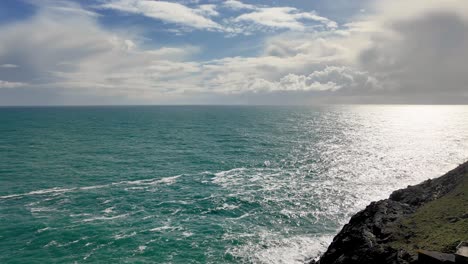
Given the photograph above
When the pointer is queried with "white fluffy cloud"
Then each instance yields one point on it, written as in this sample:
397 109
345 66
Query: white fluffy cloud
284 17
238 5
168 12
88 58
207 10
200 17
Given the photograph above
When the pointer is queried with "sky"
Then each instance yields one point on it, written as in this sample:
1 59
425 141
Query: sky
106 52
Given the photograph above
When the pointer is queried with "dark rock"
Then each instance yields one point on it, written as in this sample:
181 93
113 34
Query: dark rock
365 239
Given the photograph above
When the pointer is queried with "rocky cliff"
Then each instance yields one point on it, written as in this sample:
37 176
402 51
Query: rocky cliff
432 215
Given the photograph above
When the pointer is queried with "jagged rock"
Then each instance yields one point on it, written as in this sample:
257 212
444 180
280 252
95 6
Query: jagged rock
367 237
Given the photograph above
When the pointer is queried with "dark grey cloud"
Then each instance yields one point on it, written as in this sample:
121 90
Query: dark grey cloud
424 57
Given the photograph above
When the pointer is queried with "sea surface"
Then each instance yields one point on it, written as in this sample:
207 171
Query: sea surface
206 184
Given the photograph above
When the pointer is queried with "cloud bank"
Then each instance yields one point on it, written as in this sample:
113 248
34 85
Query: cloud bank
395 53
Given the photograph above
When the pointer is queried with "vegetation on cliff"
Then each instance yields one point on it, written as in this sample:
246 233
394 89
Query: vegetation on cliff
432 215
439 225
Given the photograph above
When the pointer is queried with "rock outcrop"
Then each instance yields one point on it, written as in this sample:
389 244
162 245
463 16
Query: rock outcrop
370 235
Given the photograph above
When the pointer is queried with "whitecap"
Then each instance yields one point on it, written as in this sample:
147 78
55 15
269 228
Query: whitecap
224 173
108 210
122 236
227 207
78 215
242 216
176 211
43 229
38 192
161 228
103 218
164 228
166 180
51 243
58 190
298 249
187 234
141 248
95 187
42 209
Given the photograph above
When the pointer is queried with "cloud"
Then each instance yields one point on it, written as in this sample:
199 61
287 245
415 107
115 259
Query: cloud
256 18
284 18
88 59
168 12
418 52
8 66
387 55
334 79
207 10
6 84
93 61
238 5
417 55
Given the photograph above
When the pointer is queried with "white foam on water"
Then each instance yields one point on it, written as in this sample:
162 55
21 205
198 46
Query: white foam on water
176 211
219 175
71 242
161 228
169 180
104 218
187 234
51 243
292 250
242 216
135 188
141 248
43 229
94 250
146 182
227 207
42 209
79 215
165 228
94 187
108 210
59 190
38 192
107 201
122 236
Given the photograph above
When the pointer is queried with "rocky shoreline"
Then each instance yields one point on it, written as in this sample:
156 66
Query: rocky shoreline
389 231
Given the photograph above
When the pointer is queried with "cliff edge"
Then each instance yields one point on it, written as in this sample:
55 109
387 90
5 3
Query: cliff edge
432 215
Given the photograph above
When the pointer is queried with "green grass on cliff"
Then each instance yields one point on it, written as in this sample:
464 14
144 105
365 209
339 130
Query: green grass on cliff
439 225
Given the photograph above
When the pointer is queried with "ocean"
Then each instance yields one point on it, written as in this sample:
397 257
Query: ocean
207 184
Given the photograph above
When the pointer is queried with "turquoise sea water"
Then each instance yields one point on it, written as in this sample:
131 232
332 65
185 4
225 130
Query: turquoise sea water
206 184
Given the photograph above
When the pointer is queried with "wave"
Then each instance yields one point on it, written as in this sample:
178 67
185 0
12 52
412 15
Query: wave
103 218
122 236
271 250
39 192
227 207
59 190
165 228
